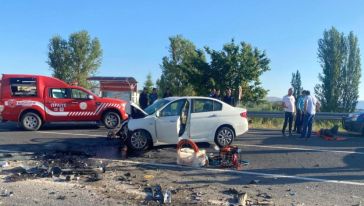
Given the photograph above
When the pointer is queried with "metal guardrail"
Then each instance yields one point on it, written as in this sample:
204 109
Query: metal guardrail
320 115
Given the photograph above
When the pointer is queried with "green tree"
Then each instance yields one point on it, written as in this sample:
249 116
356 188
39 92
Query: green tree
340 60
76 59
350 76
332 53
149 83
239 65
181 69
296 84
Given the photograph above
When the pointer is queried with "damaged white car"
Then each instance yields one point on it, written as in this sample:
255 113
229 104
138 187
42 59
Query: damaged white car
168 120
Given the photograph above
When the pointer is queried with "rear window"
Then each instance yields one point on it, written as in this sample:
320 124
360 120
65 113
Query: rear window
23 87
205 105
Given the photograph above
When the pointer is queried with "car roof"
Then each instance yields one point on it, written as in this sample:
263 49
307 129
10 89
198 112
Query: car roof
188 97
192 97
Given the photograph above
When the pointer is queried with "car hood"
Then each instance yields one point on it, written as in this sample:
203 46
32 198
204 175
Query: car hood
132 104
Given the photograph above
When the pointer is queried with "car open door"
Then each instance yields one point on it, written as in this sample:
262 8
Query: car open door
166 122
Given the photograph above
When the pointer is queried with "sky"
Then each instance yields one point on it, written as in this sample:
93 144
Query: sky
134 34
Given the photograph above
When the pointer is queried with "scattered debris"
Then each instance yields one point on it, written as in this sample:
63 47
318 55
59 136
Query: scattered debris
4 164
242 199
265 202
56 171
61 197
124 152
264 195
157 194
148 177
190 157
5 193
167 197
253 182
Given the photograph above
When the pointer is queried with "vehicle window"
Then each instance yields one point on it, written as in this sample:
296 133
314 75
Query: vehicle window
173 109
78 94
151 109
58 93
202 105
23 87
217 106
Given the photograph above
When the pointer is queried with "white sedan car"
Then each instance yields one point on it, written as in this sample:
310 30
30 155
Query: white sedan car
202 119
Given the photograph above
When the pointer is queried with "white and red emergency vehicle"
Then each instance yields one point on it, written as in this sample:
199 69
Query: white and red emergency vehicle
33 100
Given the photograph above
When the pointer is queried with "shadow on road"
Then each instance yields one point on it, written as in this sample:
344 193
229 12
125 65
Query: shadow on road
11 126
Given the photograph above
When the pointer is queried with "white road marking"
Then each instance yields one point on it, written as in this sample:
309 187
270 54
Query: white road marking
250 173
72 134
302 149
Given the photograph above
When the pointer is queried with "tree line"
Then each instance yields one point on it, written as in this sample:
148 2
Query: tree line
188 70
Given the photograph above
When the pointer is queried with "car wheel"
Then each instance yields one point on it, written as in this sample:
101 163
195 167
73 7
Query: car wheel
31 121
111 120
139 140
224 136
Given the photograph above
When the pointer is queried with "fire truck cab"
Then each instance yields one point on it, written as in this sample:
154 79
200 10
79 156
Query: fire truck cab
33 100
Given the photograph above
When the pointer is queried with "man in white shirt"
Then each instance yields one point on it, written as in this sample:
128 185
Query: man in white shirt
288 103
311 105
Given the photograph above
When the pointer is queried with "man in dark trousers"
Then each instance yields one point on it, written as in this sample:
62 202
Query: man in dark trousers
299 112
228 98
143 98
288 103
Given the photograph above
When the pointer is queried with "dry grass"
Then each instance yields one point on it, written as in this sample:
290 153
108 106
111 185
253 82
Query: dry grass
277 123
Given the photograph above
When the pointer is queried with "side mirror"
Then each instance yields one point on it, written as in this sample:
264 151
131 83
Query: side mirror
157 114
90 97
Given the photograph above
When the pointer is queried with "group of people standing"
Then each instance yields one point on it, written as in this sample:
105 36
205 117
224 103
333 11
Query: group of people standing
304 111
146 99
227 98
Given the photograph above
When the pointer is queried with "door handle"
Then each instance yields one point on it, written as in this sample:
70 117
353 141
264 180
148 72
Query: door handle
172 121
74 102
211 116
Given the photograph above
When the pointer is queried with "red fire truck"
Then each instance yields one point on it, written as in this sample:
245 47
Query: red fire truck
33 100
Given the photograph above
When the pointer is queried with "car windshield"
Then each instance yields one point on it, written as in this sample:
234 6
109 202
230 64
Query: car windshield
151 109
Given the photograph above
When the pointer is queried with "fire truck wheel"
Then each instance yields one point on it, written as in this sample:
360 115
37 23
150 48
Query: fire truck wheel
111 120
31 121
139 140
224 136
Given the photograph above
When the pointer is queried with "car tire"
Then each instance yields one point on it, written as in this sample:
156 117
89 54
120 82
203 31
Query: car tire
31 121
111 120
139 140
224 136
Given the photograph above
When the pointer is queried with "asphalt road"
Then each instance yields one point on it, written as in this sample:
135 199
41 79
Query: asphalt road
331 170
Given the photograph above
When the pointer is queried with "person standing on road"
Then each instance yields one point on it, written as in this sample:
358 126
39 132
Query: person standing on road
288 103
310 108
212 93
153 96
168 93
299 113
218 94
228 98
143 98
